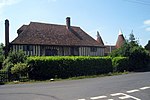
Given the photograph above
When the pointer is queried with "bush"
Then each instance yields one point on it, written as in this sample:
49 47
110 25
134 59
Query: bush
139 59
7 67
65 67
20 69
138 56
120 64
16 57
12 59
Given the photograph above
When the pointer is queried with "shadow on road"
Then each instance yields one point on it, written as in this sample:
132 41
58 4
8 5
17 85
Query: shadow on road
45 95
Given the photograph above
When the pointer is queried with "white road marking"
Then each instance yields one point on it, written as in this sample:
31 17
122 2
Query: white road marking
128 96
125 96
116 94
122 95
132 91
98 97
144 88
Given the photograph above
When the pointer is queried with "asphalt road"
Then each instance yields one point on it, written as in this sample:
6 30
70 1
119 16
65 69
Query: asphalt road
134 86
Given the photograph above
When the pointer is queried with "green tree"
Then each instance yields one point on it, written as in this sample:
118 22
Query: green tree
1 54
14 58
17 57
132 40
138 56
147 47
131 37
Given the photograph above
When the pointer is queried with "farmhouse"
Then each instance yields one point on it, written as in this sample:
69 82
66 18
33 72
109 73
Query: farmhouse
43 39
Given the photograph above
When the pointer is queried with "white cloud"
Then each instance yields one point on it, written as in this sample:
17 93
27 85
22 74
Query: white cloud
52 0
4 3
147 29
147 25
147 22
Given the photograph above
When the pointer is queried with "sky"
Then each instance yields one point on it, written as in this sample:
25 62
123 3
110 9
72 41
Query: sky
105 16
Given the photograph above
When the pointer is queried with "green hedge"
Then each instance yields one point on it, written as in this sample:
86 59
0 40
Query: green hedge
65 67
120 64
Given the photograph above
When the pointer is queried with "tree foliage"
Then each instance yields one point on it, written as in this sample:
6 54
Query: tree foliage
1 52
14 58
120 64
147 47
138 57
19 68
131 37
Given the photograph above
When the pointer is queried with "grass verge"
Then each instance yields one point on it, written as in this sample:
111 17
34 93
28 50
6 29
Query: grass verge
71 78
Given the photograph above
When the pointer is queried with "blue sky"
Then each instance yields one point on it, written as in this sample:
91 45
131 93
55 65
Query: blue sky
105 16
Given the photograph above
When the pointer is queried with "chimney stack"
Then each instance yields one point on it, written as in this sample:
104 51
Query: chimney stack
6 37
68 22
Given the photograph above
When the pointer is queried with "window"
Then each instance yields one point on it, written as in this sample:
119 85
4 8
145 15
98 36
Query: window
74 51
27 48
93 49
51 52
30 48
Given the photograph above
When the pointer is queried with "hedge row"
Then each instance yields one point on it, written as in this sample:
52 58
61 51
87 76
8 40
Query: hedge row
65 67
120 64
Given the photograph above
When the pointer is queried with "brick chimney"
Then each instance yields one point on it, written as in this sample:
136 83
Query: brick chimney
68 22
6 37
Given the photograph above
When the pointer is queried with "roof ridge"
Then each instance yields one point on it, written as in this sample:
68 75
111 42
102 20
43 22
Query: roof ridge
49 34
52 24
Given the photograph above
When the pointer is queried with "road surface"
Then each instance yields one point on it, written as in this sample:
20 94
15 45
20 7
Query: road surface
134 86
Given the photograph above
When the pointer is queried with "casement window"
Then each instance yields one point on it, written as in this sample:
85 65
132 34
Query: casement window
51 52
93 49
27 48
74 51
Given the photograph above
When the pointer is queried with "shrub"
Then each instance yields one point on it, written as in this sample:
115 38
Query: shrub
139 59
16 57
12 59
120 64
20 69
7 67
138 56
65 67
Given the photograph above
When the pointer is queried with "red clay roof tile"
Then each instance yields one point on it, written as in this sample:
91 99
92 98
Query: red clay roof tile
52 34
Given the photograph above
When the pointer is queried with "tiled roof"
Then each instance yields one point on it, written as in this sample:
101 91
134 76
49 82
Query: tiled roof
120 41
52 34
23 27
99 39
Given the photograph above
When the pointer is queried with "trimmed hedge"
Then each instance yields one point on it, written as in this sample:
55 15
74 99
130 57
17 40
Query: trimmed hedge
65 67
120 64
